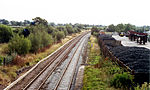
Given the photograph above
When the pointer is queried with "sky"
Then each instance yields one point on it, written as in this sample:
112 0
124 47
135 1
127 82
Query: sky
100 12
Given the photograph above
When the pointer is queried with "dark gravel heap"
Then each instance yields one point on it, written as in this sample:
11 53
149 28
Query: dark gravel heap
137 58
106 37
109 45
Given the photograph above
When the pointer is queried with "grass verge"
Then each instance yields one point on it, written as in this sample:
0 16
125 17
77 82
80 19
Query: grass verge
98 74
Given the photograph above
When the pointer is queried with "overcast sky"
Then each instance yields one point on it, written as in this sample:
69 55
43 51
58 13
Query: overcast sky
102 12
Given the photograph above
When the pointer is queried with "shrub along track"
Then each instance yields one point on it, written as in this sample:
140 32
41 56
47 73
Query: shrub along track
50 63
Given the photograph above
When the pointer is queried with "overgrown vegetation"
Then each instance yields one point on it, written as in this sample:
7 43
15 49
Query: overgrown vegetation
40 40
123 80
35 37
19 44
102 74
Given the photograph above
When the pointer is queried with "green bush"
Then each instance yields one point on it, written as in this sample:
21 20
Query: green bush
60 35
75 30
8 59
123 80
95 33
114 70
19 45
54 35
63 29
46 39
69 29
50 29
40 40
35 41
65 32
6 33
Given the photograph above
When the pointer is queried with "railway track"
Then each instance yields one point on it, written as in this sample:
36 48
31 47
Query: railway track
62 80
37 77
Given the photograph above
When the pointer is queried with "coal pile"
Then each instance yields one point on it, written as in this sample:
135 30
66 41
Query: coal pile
137 58
109 41
106 37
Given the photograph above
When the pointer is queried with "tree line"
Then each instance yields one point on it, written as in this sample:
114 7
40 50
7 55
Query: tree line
119 28
126 27
15 23
27 22
34 37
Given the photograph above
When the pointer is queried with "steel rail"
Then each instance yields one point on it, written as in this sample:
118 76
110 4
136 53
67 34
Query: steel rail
57 55
59 81
69 86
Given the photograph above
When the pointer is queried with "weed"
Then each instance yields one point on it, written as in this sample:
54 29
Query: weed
114 70
98 75
144 86
92 80
18 60
123 80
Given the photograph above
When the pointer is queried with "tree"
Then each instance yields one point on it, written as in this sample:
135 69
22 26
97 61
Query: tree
129 27
26 22
80 26
120 28
3 21
17 23
69 29
46 39
52 24
6 33
111 28
39 27
62 28
50 29
35 39
13 23
94 29
39 40
60 35
39 20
